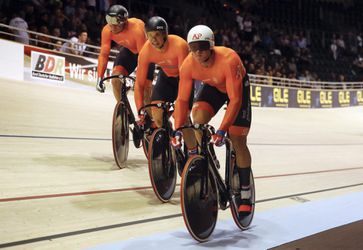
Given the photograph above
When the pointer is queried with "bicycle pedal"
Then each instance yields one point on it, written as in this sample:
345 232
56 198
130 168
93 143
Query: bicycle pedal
223 205
223 201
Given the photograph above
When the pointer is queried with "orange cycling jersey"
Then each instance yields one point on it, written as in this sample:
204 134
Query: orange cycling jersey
226 74
131 37
169 60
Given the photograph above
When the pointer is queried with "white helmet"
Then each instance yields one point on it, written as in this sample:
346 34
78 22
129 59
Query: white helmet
201 33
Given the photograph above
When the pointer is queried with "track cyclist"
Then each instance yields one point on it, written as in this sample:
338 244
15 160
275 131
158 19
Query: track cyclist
130 34
224 80
167 51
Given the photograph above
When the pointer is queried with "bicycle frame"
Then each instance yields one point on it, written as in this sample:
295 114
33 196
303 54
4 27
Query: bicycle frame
207 151
124 97
202 188
162 163
166 115
120 132
165 106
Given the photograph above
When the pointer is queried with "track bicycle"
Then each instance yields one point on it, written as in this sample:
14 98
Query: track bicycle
164 161
203 189
123 118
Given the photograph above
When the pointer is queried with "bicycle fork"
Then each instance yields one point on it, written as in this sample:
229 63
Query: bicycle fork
213 166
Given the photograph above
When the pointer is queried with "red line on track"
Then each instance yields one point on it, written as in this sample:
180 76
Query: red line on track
72 194
149 187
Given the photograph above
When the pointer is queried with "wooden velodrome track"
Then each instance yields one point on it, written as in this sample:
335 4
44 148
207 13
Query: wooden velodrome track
60 188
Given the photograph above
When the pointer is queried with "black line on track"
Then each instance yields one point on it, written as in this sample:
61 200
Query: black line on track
311 192
89 230
55 137
96 229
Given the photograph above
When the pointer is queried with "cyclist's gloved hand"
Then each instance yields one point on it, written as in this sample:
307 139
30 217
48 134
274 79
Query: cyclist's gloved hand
218 138
100 85
176 139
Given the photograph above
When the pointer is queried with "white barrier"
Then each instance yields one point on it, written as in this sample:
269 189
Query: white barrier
11 60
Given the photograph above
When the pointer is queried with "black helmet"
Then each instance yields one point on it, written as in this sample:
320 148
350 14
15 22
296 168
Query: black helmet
156 23
116 14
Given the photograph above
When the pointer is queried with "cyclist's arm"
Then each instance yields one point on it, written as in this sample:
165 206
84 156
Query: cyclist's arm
104 53
182 54
140 38
182 101
141 83
234 75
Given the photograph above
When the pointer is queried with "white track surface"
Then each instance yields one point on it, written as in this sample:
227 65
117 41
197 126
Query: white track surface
60 187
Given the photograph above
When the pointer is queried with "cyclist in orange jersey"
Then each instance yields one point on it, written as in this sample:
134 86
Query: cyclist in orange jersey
224 80
167 51
130 34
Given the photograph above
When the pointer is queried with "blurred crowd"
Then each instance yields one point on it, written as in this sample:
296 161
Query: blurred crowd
264 47
74 20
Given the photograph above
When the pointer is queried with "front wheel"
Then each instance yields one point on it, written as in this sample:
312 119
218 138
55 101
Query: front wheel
199 198
120 134
162 169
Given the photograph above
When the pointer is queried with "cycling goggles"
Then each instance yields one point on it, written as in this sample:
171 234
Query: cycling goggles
200 45
114 20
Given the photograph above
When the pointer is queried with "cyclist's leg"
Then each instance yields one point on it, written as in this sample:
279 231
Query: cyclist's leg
148 86
116 83
238 133
243 164
238 136
189 134
202 113
190 140
206 105
243 155
165 90
125 63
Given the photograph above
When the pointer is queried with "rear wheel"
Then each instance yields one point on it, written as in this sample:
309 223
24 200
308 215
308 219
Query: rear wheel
120 134
162 169
199 198
243 222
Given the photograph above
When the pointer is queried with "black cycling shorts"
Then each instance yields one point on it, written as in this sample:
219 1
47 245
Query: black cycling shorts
166 89
128 60
217 99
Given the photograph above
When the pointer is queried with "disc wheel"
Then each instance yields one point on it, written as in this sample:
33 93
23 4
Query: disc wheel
243 222
162 169
199 198
120 134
